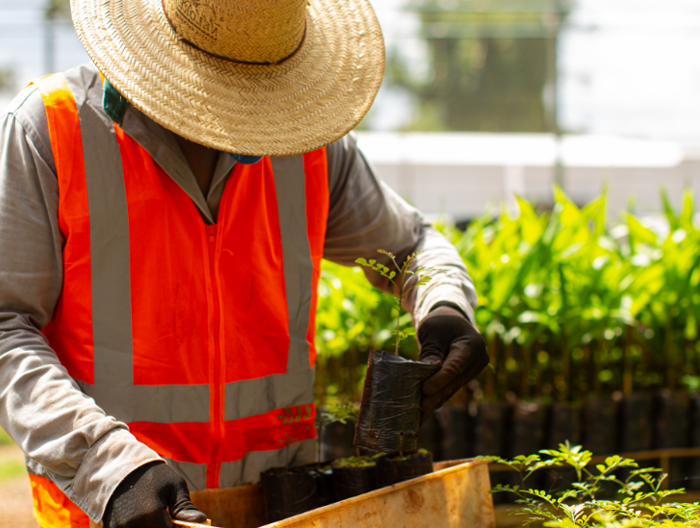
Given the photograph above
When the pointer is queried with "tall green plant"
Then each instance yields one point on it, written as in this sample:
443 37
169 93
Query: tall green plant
571 302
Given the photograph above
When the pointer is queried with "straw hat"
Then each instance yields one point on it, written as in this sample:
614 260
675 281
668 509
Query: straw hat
255 77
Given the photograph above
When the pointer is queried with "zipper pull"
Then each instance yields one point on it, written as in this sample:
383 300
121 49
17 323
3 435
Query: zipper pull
211 231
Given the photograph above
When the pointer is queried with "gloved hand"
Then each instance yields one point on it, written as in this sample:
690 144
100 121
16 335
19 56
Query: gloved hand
140 501
447 337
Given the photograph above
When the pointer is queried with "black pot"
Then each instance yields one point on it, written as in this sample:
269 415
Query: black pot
457 433
336 440
564 424
325 485
599 426
294 491
430 435
637 431
353 481
393 469
390 410
693 468
527 428
489 427
601 432
671 430
694 414
486 432
672 420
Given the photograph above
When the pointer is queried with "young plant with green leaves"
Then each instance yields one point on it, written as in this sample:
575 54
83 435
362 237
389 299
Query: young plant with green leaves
342 412
639 501
403 280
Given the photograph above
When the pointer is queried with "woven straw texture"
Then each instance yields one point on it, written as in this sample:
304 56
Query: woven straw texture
308 100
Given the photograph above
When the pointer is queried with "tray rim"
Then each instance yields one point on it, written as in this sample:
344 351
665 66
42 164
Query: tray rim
453 467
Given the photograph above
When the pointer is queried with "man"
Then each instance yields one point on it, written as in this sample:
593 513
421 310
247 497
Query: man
162 220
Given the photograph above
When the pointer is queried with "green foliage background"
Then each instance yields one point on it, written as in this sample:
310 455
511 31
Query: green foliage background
570 304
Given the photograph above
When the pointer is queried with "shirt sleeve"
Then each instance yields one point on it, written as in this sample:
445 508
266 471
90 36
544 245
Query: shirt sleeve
366 215
63 433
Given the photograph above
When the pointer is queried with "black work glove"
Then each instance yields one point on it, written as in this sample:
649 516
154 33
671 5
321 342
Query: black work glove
140 501
447 337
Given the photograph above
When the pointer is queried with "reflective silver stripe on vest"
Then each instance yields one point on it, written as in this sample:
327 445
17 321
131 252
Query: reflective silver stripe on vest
247 470
113 388
194 474
251 397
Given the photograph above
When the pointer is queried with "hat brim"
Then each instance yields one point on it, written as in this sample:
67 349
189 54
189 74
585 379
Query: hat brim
309 100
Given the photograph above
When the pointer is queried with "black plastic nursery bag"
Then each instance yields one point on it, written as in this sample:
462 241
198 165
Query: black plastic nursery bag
292 492
353 481
390 410
391 470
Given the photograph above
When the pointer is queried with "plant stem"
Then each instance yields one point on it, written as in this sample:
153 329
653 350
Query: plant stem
537 390
670 354
598 364
527 368
398 309
398 331
351 373
627 362
695 355
566 359
490 384
565 367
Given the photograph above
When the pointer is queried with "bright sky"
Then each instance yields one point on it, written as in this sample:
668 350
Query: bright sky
628 67
632 67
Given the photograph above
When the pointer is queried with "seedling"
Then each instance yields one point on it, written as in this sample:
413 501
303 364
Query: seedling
641 503
289 416
342 412
403 280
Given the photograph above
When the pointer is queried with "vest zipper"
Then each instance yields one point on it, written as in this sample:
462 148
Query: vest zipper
216 386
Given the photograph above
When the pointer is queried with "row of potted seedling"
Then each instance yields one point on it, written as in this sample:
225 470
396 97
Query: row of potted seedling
387 421
626 423
293 490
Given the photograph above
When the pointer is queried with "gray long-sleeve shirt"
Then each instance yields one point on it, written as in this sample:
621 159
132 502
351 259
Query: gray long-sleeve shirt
63 433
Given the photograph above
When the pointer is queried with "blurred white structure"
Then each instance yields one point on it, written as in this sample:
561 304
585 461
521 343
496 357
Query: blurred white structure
459 174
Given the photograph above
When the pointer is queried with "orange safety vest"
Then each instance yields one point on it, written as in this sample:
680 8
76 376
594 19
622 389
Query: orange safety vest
199 337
